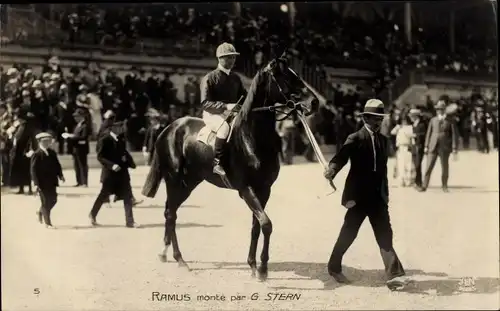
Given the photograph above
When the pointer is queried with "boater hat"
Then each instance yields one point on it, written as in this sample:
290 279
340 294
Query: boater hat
225 49
43 135
415 111
374 107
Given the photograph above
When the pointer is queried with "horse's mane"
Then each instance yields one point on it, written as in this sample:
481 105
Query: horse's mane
242 136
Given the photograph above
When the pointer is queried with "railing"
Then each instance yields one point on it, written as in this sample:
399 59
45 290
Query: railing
401 84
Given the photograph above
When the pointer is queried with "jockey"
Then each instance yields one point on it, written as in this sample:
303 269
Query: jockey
220 91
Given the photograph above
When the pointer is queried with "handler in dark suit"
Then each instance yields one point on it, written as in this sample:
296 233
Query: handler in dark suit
115 178
441 140
46 172
152 133
366 194
419 129
80 142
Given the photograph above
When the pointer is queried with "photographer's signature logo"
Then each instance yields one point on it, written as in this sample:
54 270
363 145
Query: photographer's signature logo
467 284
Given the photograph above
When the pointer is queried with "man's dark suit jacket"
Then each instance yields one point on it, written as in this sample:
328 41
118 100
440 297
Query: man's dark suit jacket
420 132
109 153
442 135
80 139
363 185
45 169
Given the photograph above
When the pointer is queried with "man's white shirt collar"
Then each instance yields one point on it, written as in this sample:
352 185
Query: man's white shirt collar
44 150
115 137
369 130
226 71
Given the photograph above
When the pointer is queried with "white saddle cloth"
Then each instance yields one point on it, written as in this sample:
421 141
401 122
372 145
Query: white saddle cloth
207 135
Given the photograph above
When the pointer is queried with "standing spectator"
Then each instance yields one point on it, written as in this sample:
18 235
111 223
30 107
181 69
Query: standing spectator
23 144
64 118
404 137
419 129
5 143
440 141
80 140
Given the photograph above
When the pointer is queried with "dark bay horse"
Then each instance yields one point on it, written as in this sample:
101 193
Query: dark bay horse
251 157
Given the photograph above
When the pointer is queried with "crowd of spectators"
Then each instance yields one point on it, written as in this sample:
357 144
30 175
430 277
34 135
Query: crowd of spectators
48 99
328 39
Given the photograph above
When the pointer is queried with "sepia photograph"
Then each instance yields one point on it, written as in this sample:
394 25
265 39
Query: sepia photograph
323 155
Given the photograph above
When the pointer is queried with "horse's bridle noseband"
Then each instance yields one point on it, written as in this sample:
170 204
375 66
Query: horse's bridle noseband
289 103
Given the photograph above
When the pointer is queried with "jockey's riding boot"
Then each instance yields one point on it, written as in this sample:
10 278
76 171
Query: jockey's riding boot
219 148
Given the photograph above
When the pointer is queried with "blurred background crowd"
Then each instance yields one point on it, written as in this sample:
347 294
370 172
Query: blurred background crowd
318 36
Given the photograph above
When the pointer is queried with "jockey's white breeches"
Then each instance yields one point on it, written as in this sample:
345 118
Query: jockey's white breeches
217 124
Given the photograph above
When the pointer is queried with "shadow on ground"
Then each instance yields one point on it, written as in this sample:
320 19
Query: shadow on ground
423 283
141 206
143 226
465 189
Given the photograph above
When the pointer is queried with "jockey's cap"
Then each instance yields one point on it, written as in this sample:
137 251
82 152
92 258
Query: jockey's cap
374 107
225 49
37 83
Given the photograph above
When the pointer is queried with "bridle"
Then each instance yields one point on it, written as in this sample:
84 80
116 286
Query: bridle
289 103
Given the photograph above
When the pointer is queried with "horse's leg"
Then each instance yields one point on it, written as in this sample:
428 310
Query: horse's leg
254 239
176 195
266 225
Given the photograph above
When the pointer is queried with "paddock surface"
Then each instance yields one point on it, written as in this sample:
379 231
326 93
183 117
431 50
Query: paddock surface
447 242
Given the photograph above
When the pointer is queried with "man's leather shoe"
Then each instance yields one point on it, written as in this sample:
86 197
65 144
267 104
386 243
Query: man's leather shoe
397 283
339 277
93 222
133 225
445 189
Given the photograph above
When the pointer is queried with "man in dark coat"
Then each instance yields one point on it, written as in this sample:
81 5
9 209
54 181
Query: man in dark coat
23 145
419 129
154 129
115 178
6 123
46 172
440 141
80 141
366 194
109 120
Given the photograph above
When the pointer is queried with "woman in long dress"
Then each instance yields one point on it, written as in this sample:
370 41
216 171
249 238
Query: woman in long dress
404 141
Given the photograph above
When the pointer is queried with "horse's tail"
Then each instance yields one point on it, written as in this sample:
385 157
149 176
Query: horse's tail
154 177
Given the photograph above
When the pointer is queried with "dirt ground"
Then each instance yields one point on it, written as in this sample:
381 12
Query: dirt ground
447 242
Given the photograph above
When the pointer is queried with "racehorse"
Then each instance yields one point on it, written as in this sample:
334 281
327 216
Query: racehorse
251 158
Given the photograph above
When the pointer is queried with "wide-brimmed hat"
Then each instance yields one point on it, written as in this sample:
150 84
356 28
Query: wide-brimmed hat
43 135
225 49
374 107
440 105
415 112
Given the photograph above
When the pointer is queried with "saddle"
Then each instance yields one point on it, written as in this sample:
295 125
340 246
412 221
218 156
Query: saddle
207 136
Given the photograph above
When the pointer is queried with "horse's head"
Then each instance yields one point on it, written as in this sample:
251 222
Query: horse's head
287 89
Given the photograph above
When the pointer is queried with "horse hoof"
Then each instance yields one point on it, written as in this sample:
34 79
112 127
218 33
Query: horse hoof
254 272
262 276
162 257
